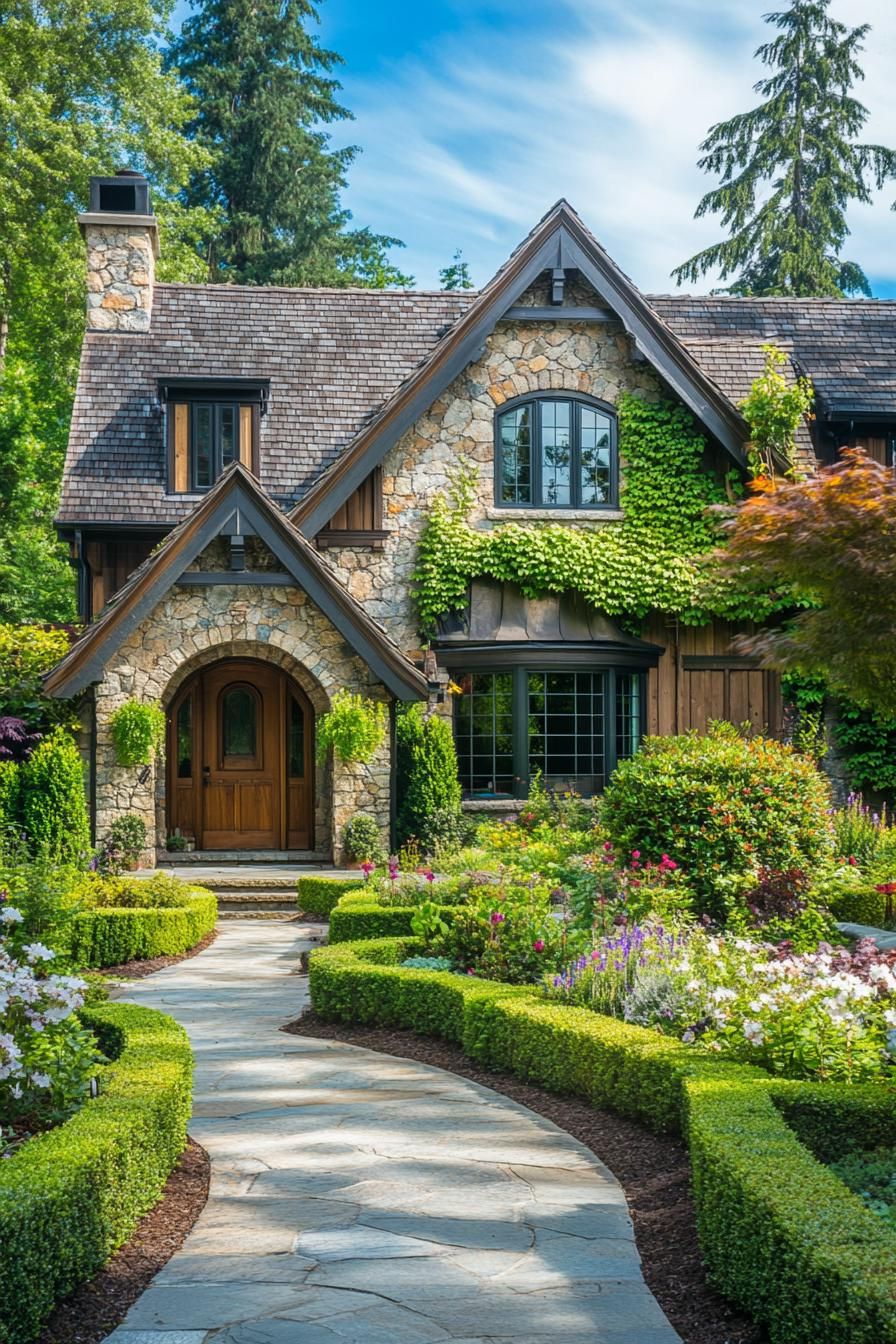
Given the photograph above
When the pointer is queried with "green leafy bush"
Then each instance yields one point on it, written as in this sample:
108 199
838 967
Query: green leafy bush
353 728
72 1196
9 796
53 806
429 789
318 895
124 844
138 732
782 1236
718 804
362 841
26 653
118 931
851 896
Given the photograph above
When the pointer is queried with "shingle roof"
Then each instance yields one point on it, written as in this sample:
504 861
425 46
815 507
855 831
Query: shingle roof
846 346
332 357
335 358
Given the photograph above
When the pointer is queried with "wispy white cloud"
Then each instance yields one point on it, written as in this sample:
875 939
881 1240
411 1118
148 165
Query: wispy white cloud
467 143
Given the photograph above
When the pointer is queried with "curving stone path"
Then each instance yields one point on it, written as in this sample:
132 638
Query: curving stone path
359 1199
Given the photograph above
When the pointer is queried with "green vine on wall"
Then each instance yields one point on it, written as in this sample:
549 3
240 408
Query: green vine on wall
652 560
774 410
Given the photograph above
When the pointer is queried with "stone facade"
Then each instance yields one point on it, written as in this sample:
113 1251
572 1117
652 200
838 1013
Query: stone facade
520 357
192 627
120 275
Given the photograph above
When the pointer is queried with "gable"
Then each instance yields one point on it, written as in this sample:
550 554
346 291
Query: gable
559 244
233 513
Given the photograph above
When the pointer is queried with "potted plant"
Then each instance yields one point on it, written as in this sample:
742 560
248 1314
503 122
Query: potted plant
121 850
177 843
362 842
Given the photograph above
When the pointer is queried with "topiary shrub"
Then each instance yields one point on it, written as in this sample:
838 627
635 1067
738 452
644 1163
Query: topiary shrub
429 801
138 732
362 841
53 808
127 922
719 803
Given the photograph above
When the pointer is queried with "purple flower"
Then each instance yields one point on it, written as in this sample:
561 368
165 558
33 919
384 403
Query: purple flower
496 917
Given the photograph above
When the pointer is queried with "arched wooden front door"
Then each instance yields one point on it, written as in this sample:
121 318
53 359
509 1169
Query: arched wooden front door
241 759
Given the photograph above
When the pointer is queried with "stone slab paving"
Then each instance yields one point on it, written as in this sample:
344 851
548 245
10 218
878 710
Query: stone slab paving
360 1199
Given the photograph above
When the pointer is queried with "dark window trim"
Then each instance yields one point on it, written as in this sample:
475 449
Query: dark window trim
537 400
520 709
208 396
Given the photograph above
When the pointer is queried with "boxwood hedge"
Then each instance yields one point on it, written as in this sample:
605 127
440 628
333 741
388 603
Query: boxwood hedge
70 1197
107 936
782 1237
318 895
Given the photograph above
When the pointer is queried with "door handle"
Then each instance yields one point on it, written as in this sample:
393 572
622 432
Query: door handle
206 775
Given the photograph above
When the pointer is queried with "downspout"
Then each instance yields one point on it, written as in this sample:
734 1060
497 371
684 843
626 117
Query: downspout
393 777
91 801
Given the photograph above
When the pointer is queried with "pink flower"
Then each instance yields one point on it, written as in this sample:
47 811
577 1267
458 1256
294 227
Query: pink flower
367 868
429 875
496 917
538 944
636 853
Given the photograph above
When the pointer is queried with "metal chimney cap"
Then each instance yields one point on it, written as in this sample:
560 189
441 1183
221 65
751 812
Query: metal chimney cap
126 193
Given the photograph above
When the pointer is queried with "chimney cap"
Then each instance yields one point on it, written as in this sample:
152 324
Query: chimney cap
125 193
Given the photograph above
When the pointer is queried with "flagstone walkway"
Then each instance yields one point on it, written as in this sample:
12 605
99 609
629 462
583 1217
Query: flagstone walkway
360 1199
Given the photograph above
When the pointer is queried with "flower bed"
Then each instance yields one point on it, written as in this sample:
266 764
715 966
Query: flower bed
782 1236
110 935
70 1197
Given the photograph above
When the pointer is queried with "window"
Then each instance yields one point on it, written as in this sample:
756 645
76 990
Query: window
206 433
571 726
239 728
556 453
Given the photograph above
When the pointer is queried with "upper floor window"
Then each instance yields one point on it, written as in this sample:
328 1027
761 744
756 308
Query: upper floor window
208 429
556 452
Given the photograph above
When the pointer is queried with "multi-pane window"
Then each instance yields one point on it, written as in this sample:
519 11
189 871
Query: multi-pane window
556 453
570 726
206 435
484 729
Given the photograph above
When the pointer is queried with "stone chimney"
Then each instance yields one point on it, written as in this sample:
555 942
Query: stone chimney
122 238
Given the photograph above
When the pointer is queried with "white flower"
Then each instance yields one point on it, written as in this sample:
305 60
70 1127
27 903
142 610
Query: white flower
754 1032
40 1079
10 915
688 1037
37 952
722 994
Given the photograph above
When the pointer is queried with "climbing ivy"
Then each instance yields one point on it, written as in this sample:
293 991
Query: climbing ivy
654 559
774 410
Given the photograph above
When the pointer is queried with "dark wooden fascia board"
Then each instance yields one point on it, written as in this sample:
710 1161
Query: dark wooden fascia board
259 578
238 494
558 314
536 653
560 238
458 350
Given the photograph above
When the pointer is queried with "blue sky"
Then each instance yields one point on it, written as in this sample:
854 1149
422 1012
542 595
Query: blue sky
474 116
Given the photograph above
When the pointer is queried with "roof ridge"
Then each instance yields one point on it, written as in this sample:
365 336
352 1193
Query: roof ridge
208 286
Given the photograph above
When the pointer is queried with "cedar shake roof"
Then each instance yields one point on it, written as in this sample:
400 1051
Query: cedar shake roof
333 356
344 364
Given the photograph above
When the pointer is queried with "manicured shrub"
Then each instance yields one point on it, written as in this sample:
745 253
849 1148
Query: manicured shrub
719 803
9 796
430 795
365 918
318 895
53 805
782 1236
362 841
108 935
72 1196
851 895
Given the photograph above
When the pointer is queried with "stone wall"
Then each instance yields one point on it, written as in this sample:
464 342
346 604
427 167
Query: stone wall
120 274
191 627
520 357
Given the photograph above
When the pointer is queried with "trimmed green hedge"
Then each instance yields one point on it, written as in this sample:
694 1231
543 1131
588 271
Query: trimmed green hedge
318 895
107 936
359 915
782 1236
71 1197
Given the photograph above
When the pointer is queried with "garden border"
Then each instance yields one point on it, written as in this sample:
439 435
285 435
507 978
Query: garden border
72 1196
782 1237
112 935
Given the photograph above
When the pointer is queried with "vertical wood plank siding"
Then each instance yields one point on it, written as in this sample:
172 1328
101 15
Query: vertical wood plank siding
181 447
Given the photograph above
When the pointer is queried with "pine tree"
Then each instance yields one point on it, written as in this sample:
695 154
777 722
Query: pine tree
265 92
457 275
790 166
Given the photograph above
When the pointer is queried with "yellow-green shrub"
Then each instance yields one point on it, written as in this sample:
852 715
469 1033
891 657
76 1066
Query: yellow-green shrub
318 895
109 935
70 1197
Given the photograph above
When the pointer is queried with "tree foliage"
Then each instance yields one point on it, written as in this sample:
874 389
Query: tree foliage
457 274
829 544
81 91
265 91
791 165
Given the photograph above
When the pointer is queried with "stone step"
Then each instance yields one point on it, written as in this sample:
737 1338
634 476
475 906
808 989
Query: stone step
257 914
257 900
237 885
240 857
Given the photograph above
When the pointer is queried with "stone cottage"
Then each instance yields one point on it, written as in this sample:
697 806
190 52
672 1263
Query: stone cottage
249 470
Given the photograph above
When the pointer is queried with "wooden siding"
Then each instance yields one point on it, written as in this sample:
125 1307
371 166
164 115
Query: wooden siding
110 564
701 677
360 519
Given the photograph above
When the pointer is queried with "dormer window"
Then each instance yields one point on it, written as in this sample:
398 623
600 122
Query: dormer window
556 452
210 427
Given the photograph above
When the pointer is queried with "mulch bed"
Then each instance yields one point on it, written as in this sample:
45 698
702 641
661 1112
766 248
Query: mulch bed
653 1171
135 970
97 1307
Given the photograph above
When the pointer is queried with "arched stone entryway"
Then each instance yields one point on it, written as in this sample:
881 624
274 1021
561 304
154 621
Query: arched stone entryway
241 760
